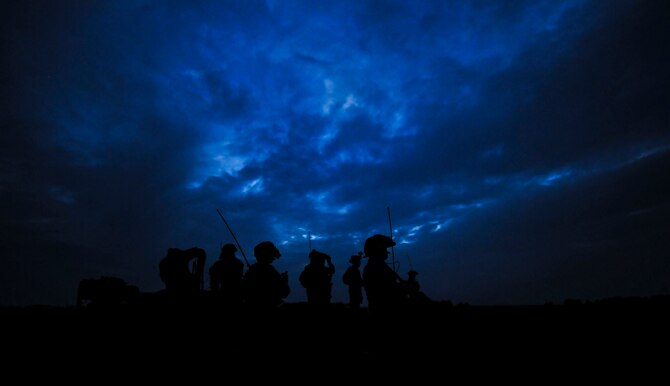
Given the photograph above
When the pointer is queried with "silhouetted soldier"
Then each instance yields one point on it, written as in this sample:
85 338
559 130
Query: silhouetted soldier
264 286
413 289
382 285
225 275
412 286
317 278
175 272
352 278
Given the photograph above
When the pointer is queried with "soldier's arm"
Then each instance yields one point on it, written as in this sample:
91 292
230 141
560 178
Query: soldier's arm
331 267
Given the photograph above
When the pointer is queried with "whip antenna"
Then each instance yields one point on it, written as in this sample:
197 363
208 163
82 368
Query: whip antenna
234 238
388 210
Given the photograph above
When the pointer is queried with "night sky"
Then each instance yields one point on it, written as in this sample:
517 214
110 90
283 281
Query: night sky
523 147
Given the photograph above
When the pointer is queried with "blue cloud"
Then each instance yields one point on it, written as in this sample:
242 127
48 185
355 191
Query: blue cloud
481 125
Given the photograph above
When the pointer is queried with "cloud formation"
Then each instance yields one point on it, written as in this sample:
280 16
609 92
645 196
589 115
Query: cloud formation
521 147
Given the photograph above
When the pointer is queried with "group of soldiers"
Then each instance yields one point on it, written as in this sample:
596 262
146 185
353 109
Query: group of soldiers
263 286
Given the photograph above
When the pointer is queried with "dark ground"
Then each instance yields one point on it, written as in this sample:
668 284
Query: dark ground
615 334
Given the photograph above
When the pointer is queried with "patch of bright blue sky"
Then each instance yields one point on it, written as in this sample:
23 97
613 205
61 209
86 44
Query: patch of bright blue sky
324 203
554 177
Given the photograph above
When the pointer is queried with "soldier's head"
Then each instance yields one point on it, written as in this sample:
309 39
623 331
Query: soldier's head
266 252
317 257
356 259
412 274
376 246
227 250
173 252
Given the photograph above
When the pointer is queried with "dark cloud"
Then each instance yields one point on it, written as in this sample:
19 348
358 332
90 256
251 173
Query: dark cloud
521 146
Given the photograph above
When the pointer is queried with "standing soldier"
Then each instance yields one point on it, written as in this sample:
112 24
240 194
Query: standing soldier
382 285
175 272
317 278
352 278
225 275
264 286
413 290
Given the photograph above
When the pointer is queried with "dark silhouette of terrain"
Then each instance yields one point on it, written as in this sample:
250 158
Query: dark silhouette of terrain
106 292
617 331
115 326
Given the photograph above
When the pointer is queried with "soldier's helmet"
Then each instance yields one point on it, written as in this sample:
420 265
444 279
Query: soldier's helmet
266 250
356 258
377 244
228 249
318 256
